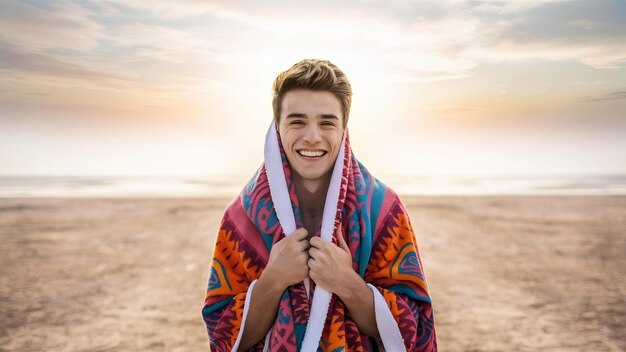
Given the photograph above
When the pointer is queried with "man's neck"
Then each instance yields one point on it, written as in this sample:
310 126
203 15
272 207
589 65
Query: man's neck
311 194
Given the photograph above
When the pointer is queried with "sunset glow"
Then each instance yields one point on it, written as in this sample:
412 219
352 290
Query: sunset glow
442 87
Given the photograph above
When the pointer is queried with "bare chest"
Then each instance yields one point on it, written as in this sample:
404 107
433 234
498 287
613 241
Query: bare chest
311 224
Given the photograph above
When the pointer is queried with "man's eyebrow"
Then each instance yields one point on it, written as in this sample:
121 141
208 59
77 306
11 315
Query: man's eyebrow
301 115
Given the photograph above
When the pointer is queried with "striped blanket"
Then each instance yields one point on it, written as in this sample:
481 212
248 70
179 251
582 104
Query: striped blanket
378 231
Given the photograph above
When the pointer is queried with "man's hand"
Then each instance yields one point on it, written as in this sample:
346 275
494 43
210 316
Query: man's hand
288 260
330 265
286 266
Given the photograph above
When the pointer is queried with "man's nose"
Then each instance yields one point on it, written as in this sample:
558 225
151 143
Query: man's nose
312 134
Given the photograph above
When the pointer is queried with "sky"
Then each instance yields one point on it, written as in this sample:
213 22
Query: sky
441 87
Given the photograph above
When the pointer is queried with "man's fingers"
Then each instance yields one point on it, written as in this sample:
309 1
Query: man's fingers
299 234
316 242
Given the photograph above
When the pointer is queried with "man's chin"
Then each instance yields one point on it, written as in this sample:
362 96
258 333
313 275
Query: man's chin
312 176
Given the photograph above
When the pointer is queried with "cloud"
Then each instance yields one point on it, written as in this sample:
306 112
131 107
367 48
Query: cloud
568 22
159 51
19 61
63 54
419 40
610 96
590 32
160 10
60 24
413 41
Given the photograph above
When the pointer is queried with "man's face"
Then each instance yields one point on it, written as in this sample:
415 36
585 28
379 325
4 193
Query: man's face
311 128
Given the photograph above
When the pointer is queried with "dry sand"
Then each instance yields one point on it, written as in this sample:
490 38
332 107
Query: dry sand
505 273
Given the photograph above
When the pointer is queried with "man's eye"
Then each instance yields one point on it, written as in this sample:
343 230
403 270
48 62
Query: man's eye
328 124
297 122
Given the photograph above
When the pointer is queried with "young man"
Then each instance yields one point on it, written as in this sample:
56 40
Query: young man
316 253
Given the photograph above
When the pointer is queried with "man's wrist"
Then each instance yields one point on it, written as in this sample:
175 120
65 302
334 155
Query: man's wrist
353 287
271 282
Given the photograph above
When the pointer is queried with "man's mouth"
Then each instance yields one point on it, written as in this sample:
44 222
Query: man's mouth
311 153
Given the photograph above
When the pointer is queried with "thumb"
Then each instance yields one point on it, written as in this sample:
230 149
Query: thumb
300 234
341 241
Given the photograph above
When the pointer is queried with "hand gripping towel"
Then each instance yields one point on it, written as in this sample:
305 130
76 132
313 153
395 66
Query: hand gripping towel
378 231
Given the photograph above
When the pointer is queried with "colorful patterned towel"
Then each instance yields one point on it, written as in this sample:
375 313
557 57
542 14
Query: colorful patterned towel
379 234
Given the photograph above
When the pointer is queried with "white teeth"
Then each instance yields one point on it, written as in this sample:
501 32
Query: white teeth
310 153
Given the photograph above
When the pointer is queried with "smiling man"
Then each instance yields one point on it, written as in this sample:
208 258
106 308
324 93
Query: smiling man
316 253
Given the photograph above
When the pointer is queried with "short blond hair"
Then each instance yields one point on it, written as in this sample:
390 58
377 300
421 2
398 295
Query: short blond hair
313 74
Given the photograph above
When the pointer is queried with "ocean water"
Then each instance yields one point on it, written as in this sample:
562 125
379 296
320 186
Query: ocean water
228 186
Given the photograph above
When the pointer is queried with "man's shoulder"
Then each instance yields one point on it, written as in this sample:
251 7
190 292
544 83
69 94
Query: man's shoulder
235 210
378 186
240 201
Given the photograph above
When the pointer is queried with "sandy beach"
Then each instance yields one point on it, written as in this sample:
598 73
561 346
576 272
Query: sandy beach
522 273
